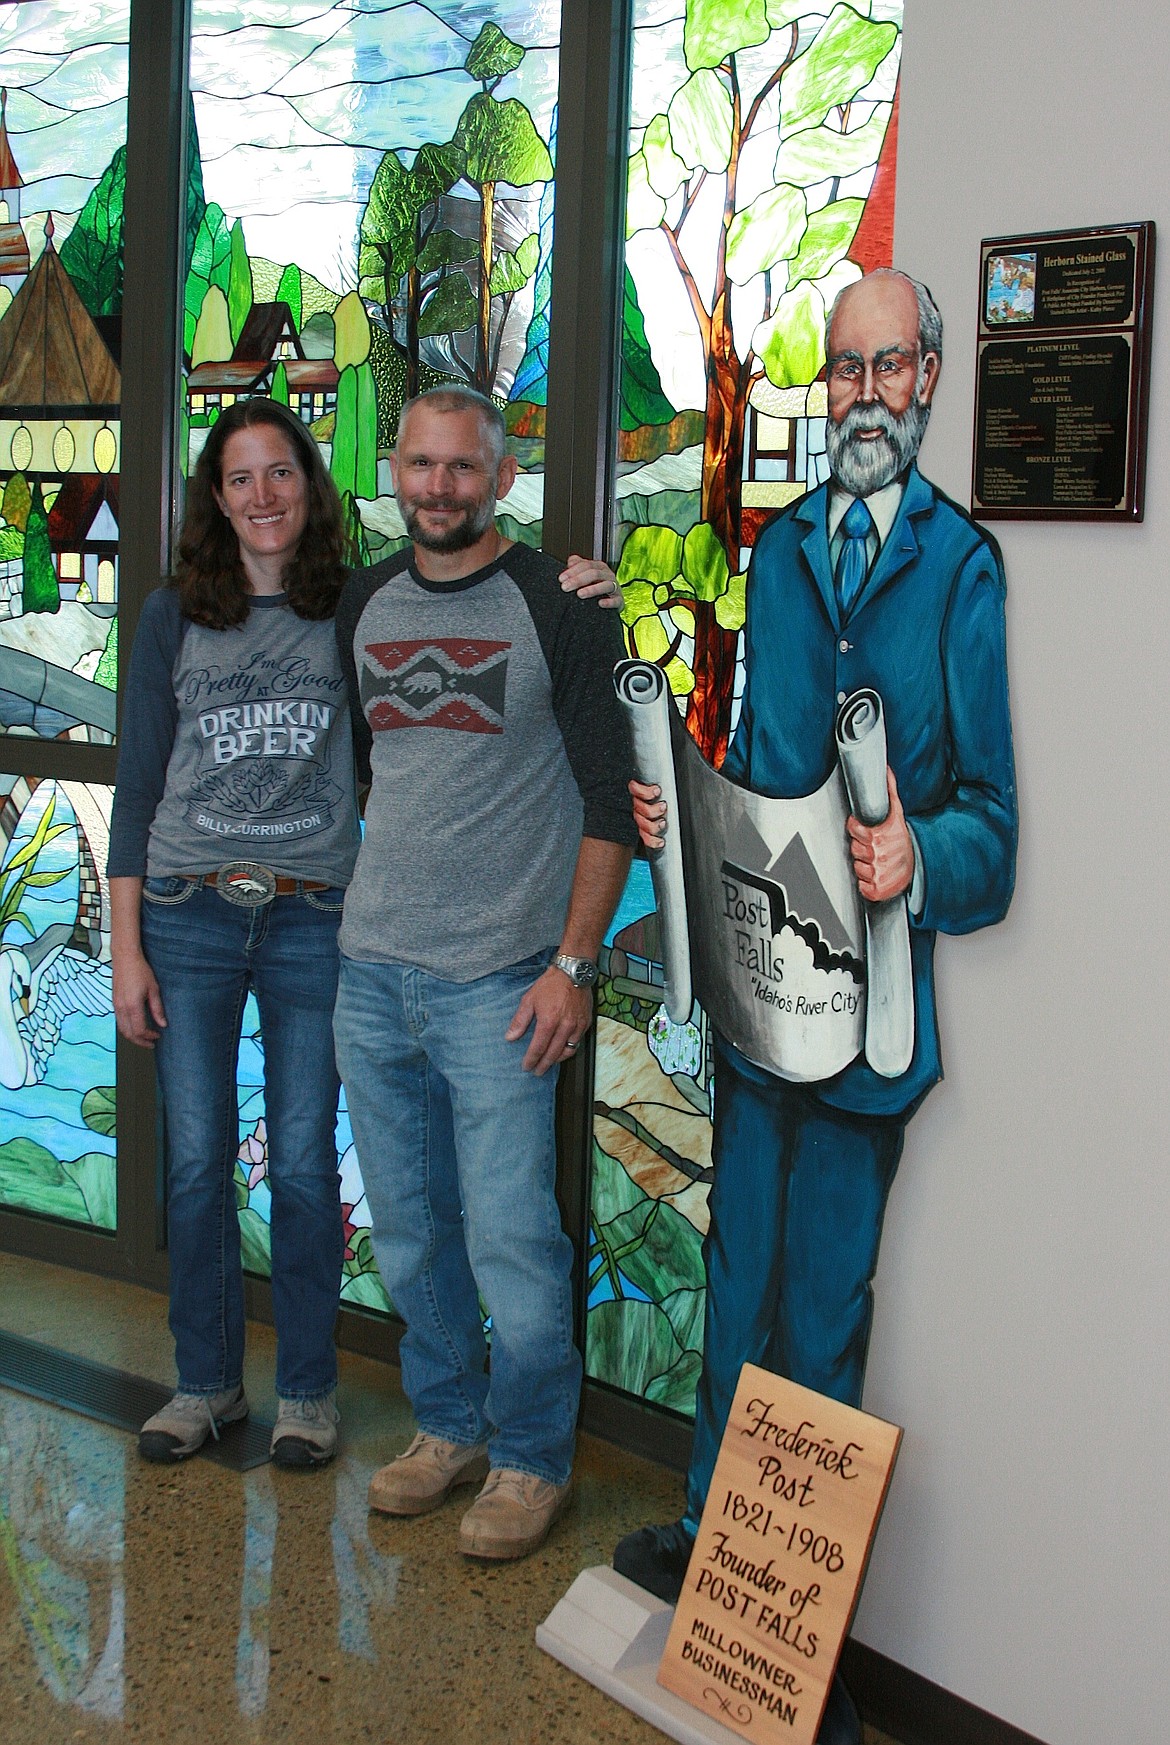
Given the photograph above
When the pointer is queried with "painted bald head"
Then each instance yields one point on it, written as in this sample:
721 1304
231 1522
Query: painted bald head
884 353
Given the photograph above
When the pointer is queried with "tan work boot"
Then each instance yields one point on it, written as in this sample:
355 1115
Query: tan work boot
425 1474
511 1515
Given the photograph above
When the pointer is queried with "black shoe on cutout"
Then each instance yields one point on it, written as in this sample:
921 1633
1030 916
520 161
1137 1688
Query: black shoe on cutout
656 1558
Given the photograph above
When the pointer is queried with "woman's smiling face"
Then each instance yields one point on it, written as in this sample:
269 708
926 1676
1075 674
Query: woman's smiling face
265 495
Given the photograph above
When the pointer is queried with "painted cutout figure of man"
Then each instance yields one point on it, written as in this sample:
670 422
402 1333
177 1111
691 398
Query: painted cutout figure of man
875 579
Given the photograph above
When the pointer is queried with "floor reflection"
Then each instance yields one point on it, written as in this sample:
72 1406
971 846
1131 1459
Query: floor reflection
207 1585
62 1527
194 1605
364 1580
367 1579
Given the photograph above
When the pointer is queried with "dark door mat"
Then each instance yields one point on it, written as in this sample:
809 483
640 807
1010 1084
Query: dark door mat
113 1397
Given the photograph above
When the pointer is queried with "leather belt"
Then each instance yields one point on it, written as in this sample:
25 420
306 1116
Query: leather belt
284 887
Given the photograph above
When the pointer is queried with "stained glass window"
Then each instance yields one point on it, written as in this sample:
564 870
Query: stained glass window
63 83
57 1097
370 206
761 180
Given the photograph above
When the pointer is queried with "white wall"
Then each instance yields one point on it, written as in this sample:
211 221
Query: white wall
1023 1298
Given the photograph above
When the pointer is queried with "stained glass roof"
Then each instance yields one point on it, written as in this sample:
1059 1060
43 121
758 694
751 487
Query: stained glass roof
51 354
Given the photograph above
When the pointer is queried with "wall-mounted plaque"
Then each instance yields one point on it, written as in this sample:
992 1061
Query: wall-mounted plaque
779 1558
1062 376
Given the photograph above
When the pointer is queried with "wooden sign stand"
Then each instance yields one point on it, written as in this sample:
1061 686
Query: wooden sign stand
772 1585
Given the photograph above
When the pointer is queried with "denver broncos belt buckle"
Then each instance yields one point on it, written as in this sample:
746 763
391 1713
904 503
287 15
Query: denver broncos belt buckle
246 884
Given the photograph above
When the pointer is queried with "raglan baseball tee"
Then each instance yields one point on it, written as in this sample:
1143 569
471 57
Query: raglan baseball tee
485 712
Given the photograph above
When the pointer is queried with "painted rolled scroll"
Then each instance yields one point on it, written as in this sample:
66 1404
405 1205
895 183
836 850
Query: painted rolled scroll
889 1011
758 905
643 689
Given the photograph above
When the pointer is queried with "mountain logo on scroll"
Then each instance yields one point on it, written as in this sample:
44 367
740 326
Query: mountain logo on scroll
441 682
788 895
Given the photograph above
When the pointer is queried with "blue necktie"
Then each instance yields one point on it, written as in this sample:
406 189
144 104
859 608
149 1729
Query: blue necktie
853 561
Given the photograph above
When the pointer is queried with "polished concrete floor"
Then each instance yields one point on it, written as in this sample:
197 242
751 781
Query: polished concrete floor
193 1603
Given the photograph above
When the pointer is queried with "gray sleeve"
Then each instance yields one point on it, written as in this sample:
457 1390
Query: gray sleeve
150 715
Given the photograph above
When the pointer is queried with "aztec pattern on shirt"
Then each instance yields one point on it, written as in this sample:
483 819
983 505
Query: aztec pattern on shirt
444 682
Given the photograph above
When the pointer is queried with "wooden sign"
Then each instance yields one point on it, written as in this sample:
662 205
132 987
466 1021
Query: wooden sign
778 1562
1062 378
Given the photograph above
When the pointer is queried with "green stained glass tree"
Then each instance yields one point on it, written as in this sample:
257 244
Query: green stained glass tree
92 252
210 265
239 290
39 589
498 143
354 460
402 245
780 80
289 291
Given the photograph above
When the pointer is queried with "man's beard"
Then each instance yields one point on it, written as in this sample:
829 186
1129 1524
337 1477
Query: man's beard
862 465
459 535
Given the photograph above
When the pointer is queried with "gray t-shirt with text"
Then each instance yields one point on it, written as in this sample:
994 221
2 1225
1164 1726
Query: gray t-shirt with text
260 759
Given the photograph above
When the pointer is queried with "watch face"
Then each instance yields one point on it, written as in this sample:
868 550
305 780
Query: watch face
580 971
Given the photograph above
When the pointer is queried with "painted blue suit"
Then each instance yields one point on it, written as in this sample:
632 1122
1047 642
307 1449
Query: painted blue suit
802 1172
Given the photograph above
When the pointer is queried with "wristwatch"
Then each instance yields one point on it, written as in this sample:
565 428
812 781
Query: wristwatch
581 971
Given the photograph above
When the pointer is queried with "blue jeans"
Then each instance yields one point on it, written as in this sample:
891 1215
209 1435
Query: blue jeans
796 1215
457 1153
206 953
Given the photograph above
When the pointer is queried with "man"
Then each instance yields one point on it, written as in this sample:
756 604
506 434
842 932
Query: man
498 838
874 580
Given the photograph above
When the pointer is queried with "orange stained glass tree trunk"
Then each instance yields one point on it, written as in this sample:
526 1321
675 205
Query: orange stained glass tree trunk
709 706
708 717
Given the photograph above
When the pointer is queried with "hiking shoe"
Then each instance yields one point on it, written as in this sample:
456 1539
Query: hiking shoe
185 1423
305 1432
425 1474
511 1515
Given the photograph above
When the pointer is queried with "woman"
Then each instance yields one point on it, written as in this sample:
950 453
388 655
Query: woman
234 834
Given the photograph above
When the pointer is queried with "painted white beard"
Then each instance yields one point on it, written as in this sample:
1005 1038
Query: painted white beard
863 465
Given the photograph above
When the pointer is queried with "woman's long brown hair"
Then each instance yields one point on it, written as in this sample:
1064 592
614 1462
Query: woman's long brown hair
213 588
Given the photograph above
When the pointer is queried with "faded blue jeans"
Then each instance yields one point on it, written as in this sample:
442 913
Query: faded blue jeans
456 1146
206 954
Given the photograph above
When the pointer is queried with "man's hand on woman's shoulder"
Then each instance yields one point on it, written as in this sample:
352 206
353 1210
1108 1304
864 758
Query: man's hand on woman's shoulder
592 578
